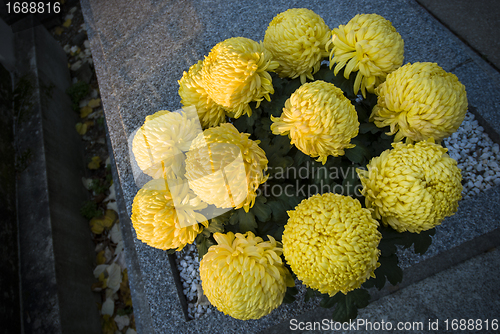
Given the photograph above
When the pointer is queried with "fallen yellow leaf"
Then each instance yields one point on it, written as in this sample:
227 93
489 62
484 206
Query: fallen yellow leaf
95 163
108 325
75 52
97 225
89 123
85 111
67 23
81 128
101 259
111 214
58 30
103 278
94 103
125 290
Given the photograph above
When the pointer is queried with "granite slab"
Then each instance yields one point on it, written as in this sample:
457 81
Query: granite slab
140 53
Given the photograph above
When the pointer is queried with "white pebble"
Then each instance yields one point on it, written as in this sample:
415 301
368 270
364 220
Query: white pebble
476 155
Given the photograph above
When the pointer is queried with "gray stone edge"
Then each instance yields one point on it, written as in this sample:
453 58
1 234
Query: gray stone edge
55 249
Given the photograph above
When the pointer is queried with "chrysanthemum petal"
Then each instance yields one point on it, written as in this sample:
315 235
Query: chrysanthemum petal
330 242
412 187
373 46
225 168
319 119
161 224
235 73
420 101
297 40
238 278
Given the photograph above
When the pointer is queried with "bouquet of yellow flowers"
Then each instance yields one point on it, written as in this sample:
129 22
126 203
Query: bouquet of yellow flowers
306 157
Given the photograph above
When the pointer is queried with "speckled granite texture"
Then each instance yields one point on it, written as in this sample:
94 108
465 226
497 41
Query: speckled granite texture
141 51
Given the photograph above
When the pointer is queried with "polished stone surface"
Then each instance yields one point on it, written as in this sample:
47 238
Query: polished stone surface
141 51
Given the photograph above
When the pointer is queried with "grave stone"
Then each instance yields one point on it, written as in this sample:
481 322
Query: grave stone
141 51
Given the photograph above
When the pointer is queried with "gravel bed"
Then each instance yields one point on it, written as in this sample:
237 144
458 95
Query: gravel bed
188 264
477 156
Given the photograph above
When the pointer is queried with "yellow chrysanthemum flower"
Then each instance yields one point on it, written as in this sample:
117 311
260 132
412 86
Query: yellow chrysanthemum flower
165 218
159 144
412 187
368 44
235 73
225 168
330 242
420 101
243 276
193 93
319 119
297 39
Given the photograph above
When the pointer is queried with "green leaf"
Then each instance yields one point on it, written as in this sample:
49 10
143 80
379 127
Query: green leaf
370 101
347 305
382 143
283 88
423 241
290 87
351 183
324 74
362 111
348 85
328 302
246 221
320 173
270 228
390 269
289 295
280 164
206 233
234 218
310 293
279 214
77 92
243 125
369 127
358 154
299 158
261 210
390 238
203 244
290 202
215 226
263 128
